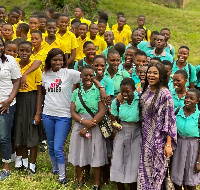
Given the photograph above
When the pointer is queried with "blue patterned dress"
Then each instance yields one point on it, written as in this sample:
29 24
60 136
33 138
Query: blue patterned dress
156 126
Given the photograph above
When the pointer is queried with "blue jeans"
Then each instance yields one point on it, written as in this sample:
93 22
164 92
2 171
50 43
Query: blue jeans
6 123
57 129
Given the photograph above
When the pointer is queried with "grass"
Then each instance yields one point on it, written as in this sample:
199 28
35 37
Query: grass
184 25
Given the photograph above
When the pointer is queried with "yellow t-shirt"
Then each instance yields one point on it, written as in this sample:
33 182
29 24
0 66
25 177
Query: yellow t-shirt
88 22
126 26
79 49
124 36
99 44
56 44
148 34
69 39
33 79
41 55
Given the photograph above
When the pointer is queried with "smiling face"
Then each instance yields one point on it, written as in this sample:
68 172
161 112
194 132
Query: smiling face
99 66
183 54
121 22
11 49
190 100
129 56
87 76
153 76
113 61
57 62
25 51
63 23
89 51
127 92
179 82
108 37
82 31
51 28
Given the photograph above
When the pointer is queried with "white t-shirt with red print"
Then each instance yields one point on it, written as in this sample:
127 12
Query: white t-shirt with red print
58 86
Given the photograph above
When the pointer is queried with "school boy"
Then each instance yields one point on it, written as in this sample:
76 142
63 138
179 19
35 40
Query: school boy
89 52
159 51
145 45
115 26
141 23
67 37
43 20
136 38
99 43
83 29
169 48
79 13
121 34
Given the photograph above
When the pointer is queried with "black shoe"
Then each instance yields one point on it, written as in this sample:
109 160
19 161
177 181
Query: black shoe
96 187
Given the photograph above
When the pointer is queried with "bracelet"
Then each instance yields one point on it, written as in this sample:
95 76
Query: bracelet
198 162
81 120
168 145
101 87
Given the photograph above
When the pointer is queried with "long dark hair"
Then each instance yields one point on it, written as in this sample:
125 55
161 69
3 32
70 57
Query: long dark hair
3 57
52 53
163 82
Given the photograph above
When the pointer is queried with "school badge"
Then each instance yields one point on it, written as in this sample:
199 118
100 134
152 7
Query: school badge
124 39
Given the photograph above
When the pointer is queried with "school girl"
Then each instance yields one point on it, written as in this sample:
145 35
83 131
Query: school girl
185 166
87 151
179 90
127 143
29 105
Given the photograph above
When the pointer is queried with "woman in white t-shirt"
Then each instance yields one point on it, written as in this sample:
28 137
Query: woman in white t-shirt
9 85
58 82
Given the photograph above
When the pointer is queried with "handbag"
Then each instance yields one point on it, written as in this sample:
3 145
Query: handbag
105 124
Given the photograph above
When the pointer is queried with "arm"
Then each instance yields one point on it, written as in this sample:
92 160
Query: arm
168 149
191 84
66 57
36 64
38 114
6 103
72 56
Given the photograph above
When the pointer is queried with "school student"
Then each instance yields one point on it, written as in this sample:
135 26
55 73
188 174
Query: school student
67 37
89 52
101 28
7 32
181 63
141 23
1 24
75 27
113 72
136 38
38 52
168 66
121 34
57 81
3 12
127 143
145 45
99 43
22 31
29 105
83 29
11 48
115 26
159 50
87 151
34 24
179 91
169 48
42 20
103 16
185 162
